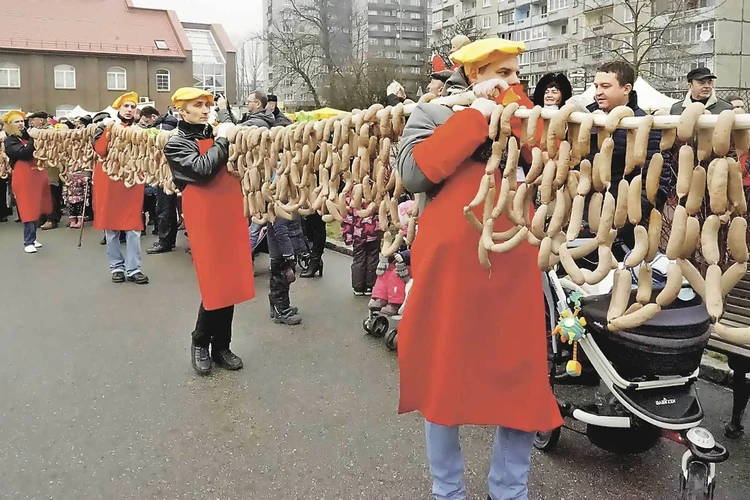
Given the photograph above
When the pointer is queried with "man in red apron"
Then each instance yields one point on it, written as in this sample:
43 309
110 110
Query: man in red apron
117 207
30 185
213 210
471 344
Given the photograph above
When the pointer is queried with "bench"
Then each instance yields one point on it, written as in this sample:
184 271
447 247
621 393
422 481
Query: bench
736 314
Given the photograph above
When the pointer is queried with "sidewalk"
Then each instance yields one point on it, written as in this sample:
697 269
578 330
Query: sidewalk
712 369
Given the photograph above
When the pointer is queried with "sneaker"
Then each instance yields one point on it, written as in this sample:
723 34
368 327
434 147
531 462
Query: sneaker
138 278
48 225
37 244
227 359
200 359
368 292
29 249
118 277
288 317
358 293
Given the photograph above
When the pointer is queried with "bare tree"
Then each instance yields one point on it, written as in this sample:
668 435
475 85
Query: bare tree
250 61
464 26
296 53
649 30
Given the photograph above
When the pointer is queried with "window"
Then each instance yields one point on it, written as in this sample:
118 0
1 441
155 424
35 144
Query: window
629 18
703 26
543 11
374 27
414 70
65 77
553 5
387 28
373 41
522 14
486 3
416 3
5 109
486 22
534 79
564 29
10 75
457 9
505 36
372 12
557 53
161 45
388 42
575 25
627 43
535 33
523 59
209 66
117 78
416 16
505 17
63 110
163 82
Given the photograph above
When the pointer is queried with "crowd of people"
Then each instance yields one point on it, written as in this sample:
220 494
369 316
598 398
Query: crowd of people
457 320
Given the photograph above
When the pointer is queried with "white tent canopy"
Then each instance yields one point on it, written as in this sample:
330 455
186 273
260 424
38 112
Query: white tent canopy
649 98
78 111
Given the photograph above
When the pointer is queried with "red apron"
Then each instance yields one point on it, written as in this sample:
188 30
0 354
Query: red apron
116 207
471 343
219 239
31 189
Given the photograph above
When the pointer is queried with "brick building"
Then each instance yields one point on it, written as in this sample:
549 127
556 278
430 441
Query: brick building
57 54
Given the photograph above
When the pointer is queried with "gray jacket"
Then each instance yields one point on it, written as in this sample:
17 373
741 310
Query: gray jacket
714 105
262 118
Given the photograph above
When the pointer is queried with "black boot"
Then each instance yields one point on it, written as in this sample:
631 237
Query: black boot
281 310
200 359
314 267
226 359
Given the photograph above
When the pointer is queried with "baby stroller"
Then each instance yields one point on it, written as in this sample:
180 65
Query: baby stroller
379 325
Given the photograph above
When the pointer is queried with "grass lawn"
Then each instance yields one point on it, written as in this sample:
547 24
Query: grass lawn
333 230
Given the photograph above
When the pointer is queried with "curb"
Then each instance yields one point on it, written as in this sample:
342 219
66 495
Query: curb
712 369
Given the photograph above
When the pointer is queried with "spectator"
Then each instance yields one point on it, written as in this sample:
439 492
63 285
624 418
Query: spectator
280 118
437 82
737 103
395 93
701 89
149 115
552 91
257 114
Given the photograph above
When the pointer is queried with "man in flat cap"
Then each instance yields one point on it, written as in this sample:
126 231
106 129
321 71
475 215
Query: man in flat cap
701 89
437 82
273 106
116 206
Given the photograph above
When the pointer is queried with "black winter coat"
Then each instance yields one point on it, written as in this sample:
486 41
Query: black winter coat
16 150
188 166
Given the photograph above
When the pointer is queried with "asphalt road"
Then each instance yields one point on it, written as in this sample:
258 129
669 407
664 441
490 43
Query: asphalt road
99 399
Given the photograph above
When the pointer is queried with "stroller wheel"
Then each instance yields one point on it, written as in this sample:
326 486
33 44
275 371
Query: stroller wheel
391 340
379 326
545 441
367 326
303 261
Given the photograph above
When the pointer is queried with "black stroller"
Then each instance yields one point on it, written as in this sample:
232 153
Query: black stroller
259 242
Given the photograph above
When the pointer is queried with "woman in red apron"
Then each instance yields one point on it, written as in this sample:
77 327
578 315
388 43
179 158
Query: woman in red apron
30 185
213 210
471 344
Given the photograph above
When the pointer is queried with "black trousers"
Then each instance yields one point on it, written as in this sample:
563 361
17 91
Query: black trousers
315 229
5 209
166 218
149 207
365 265
214 328
57 201
279 285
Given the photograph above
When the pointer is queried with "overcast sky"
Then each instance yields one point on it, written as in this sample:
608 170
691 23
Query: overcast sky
239 17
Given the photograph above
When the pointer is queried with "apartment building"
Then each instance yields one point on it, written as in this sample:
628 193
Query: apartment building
46 64
575 36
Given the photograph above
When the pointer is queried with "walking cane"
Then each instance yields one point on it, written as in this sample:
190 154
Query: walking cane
83 215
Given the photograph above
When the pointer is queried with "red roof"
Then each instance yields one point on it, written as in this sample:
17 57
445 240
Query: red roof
89 26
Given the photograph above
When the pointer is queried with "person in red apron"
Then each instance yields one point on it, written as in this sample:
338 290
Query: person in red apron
30 185
118 208
471 344
213 210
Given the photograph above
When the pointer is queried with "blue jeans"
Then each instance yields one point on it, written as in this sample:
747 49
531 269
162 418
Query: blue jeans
130 264
509 469
29 233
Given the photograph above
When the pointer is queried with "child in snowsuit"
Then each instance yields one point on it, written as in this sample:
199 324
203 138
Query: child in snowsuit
75 195
363 235
393 274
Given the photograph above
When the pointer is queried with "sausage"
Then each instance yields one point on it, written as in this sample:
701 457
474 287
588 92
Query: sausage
640 250
576 218
563 165
714 297
688 119
603 267
538 222
511 159
605 161
736 335
512 243
572 183
722 134
531 125
621 209
692 237
494 162
641 141
741 140
634 200
495 122
695 279
620 294
668 137
484 187
583 141
472 218
736 239
545 251
684 170
704 143
608 215
673 286
710 239
635 319
557 125
584 182
614 117
735 189
558 216
677 234
537 165
504 199
595 211
645 284
570 266
548 177
697 190
732 276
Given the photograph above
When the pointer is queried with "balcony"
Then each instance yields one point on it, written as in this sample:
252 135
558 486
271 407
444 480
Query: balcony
469 12
559 15
437 25
591 5
522 23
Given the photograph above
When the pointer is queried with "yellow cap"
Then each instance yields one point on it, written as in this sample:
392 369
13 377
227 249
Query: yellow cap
128 96
485 51
12 115
186 94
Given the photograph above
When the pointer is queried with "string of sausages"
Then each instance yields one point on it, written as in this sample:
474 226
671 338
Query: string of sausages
565 180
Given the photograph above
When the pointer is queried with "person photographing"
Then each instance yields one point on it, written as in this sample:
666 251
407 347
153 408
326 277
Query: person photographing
214 217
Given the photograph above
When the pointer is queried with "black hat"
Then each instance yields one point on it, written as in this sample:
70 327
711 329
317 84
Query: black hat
442 75
560 80
700 74
272 98
38 114
86 120
100 116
